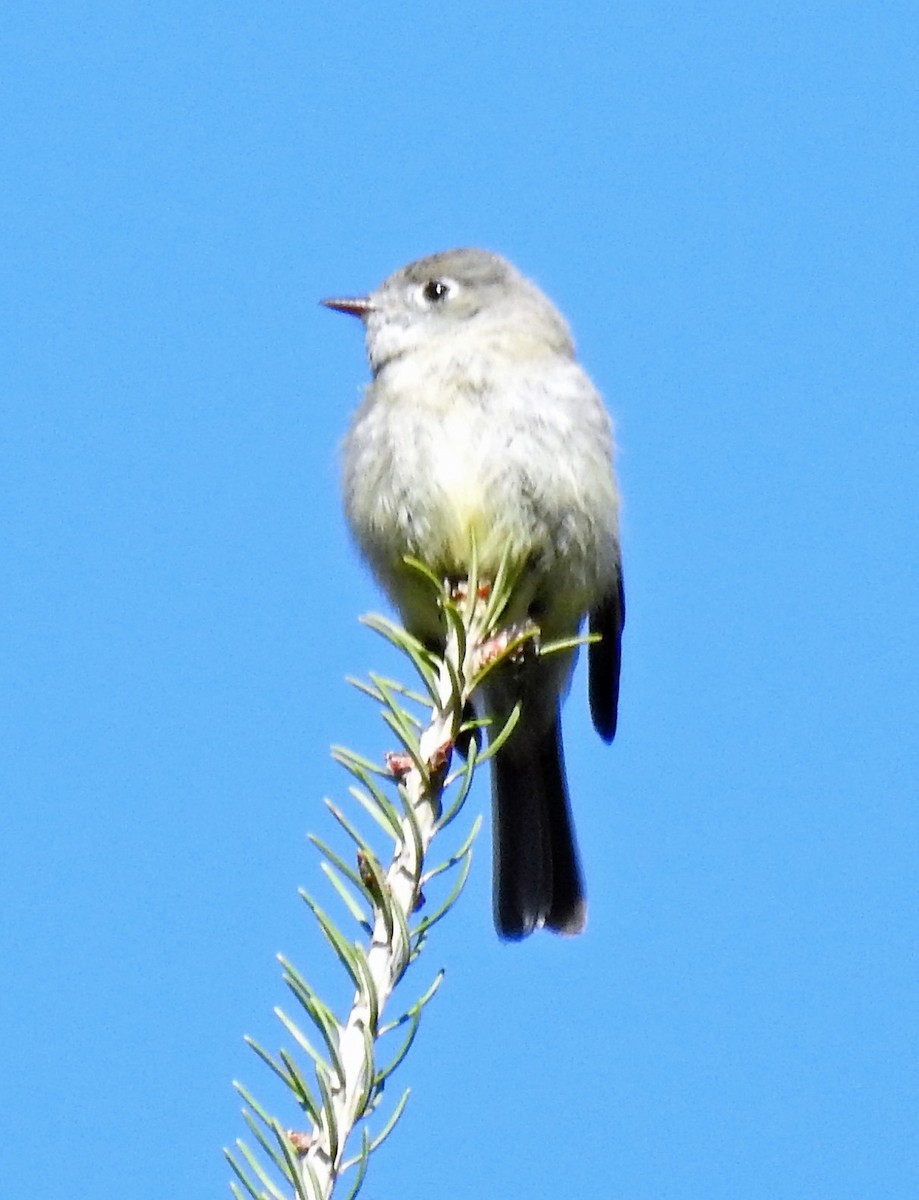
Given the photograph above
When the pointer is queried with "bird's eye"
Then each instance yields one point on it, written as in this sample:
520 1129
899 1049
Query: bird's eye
435 291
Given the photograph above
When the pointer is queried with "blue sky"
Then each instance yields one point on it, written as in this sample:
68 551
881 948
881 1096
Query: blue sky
722 200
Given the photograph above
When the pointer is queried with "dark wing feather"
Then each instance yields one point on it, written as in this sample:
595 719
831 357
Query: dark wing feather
604 658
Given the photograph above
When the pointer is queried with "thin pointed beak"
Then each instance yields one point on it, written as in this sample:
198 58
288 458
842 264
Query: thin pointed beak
355 306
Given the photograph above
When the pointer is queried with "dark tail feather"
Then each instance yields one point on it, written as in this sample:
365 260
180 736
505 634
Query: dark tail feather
537 877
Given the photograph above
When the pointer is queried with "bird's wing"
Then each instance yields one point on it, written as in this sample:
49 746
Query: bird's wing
604 658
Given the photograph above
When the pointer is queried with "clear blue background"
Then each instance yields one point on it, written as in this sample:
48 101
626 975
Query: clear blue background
723 200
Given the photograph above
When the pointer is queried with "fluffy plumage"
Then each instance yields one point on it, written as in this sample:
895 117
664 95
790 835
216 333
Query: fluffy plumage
480 426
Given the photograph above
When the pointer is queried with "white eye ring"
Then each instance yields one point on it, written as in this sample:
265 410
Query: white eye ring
436 291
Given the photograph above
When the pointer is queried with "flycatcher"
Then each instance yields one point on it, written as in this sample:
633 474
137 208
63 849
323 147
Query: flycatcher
481 428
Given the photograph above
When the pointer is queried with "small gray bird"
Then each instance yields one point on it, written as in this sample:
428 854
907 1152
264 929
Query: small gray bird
480 427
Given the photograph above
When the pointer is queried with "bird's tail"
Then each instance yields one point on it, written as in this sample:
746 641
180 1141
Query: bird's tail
537 876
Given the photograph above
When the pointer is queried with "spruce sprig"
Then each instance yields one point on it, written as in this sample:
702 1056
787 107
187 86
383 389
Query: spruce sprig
337 1074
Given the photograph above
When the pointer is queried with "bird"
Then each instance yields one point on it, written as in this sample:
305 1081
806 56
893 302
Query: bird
481 436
